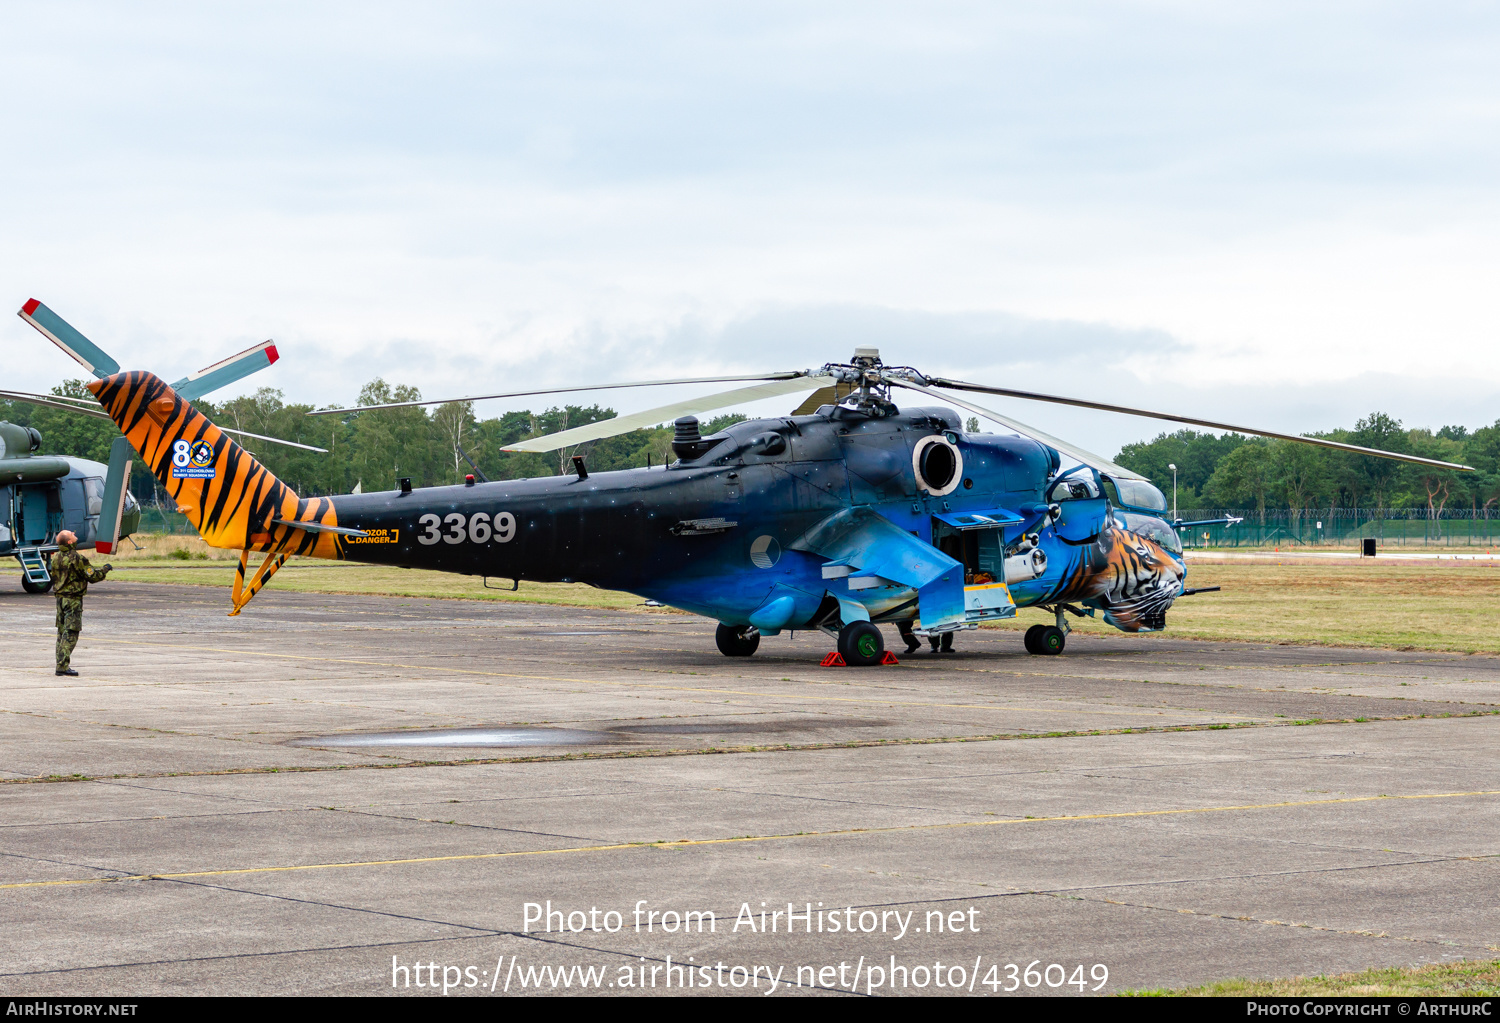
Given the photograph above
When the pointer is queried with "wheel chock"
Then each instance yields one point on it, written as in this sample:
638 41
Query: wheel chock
834 659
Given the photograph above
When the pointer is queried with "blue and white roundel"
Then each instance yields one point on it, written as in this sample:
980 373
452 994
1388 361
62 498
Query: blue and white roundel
765 552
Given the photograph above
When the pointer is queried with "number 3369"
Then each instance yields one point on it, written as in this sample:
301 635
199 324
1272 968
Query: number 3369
457 527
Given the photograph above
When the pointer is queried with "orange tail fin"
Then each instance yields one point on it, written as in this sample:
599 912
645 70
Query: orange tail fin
231 498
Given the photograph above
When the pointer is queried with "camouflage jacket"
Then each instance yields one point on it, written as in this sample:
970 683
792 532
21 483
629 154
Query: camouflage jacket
71 572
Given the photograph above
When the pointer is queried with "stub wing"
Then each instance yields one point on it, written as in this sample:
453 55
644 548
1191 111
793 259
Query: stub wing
861 546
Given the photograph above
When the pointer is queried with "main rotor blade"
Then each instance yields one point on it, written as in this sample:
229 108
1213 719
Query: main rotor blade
55 401
273 440
564 390
1081 403
88 407
1071 450
650 417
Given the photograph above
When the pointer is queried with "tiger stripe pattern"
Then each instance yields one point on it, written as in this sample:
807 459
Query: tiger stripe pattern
233 506
1132 578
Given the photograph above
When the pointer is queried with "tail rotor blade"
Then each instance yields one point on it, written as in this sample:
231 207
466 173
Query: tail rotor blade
63 334
116 483
227 371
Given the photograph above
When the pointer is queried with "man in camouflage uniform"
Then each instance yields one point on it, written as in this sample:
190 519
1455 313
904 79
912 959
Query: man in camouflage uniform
71 574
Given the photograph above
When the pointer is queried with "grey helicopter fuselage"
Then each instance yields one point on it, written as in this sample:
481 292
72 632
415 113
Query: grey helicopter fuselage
41 495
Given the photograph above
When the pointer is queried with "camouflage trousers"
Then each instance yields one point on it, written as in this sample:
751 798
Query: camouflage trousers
69 625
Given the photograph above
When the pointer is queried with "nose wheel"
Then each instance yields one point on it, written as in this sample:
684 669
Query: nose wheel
1045 639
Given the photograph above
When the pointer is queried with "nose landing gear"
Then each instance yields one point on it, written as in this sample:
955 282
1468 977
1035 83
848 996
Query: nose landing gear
1049 639
1045 639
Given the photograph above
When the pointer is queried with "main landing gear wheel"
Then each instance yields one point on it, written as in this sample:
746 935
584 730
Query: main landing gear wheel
31 587
1050 640
861 644
1032 635
737 640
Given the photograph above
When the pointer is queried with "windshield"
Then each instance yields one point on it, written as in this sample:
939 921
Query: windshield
1153 528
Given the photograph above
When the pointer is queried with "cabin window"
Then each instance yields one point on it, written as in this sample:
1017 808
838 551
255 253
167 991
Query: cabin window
93 495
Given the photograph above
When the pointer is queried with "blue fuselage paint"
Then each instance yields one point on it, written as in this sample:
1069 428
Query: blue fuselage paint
715 534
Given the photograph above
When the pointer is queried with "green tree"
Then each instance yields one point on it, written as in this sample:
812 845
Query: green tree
454 422
387 444
1379 476
1248 473
1482 451
1195 454
1299 475
1436 484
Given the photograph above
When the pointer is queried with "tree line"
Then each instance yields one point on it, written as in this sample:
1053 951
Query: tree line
1232 471
373 449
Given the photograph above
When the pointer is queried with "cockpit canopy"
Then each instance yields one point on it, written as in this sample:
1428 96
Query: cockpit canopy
1078 485
1136 494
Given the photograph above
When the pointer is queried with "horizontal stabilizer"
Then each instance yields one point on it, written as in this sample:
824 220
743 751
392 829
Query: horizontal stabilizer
318 527
62 333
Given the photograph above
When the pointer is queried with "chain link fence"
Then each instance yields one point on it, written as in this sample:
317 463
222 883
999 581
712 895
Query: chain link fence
1344 527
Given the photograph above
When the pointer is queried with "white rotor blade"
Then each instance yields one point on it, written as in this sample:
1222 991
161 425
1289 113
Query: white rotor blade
1319 441
88 407
650 417
273 440
1099 462
56 401
564 390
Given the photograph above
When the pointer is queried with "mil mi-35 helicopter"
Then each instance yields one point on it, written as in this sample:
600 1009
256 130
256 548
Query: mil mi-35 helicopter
41 495
855 515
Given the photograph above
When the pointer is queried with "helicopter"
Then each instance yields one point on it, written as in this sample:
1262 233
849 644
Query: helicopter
840 518
42 495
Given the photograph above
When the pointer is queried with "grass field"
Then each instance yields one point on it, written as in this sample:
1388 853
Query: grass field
1404 605
1464 979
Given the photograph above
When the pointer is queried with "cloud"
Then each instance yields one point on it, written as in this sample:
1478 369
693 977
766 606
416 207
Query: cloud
1195 207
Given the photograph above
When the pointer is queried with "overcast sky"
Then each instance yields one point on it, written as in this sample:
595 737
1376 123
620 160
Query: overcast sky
1281 214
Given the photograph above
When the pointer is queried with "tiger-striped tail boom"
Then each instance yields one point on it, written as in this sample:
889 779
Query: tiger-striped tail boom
232 500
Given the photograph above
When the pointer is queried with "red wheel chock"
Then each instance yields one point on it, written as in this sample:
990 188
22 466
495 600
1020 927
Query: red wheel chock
834 659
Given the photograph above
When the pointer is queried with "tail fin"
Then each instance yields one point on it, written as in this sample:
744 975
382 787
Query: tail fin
231 498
